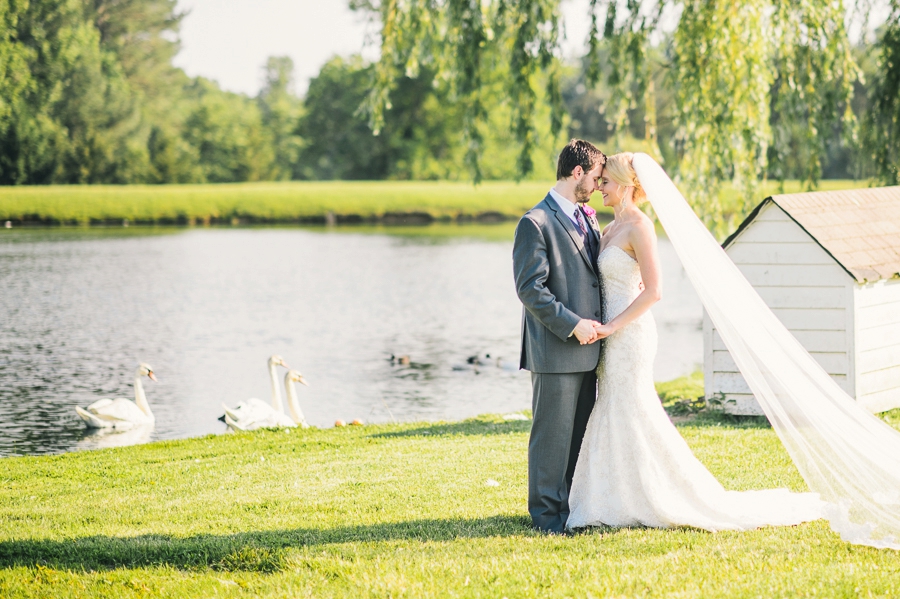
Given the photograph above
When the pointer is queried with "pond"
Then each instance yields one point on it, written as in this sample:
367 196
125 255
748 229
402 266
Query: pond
206 307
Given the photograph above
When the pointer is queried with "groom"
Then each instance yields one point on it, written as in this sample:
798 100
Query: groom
554 262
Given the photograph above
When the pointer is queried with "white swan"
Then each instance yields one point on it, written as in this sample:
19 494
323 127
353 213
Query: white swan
255 413
121 413
293 405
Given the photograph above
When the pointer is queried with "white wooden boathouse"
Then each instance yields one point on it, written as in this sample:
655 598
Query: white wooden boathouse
828 264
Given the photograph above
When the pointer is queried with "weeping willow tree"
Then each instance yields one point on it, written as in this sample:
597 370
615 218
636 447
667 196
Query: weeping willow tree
882 123
465 44
751 79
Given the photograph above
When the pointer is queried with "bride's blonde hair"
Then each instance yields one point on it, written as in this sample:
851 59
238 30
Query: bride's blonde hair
618 168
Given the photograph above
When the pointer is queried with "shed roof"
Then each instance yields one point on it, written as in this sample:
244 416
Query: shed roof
859 228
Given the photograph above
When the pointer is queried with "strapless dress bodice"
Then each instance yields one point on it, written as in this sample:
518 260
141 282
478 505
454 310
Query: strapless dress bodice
620 276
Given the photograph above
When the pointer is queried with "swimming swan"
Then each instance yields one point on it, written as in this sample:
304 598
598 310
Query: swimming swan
293 405
255 413
121 413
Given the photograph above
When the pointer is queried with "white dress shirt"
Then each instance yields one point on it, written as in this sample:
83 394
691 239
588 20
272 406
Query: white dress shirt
567 206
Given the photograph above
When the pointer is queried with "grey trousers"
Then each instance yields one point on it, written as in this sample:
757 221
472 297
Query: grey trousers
561 405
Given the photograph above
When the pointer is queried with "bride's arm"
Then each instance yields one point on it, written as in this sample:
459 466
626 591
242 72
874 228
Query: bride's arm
643 241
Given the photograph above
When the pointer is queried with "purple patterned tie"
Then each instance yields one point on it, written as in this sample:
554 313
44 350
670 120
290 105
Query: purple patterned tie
580 222
588 240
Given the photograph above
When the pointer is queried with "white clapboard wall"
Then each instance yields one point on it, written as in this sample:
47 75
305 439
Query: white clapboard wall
878 344
807 290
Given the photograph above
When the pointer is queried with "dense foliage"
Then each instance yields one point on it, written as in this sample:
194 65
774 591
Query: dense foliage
882 123
422 136
464 89
88 94
756 88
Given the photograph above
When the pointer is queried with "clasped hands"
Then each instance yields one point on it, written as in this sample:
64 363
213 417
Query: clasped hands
590 331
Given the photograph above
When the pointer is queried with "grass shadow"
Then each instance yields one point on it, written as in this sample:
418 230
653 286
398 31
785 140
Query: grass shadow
715 418
257 551
482 425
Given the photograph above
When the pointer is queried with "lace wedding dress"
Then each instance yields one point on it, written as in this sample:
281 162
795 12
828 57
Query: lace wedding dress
634 468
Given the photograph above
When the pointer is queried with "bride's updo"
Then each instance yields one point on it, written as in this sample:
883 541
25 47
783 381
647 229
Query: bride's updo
618 168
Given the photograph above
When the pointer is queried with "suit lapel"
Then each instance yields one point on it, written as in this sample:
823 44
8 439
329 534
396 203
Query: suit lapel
593 231
569 226
595 226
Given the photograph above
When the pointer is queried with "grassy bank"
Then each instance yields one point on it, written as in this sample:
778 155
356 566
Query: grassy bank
349 201
405 510
299 202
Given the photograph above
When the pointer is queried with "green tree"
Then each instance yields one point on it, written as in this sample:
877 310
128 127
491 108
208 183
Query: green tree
143 35
465 43
76 120
227 132
16 85
881 131
281 114
729 63
173 158
88 94
422 135
338 143
79 116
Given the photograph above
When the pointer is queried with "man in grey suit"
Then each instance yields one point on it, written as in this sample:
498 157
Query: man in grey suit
555 265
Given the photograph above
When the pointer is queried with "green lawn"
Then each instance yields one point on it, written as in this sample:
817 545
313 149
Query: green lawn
388 511
288 201
349 201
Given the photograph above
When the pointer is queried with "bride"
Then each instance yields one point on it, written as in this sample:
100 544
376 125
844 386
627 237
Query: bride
634 469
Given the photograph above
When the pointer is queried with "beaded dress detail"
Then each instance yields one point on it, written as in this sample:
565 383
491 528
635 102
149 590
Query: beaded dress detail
634 468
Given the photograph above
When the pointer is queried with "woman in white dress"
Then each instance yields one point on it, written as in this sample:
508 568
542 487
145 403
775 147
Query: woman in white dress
634 468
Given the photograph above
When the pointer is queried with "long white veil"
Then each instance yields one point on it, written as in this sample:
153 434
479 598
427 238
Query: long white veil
847 455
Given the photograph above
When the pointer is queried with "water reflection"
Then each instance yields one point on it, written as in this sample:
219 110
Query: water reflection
102 439
207 307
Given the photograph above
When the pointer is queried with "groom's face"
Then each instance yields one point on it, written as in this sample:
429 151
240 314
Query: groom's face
588 183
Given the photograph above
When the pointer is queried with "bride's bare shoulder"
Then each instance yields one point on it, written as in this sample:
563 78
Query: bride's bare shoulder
643 227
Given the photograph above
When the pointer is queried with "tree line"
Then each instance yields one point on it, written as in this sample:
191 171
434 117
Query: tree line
750 89
89 94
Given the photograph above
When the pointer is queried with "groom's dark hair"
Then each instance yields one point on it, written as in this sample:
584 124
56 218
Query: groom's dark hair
578 153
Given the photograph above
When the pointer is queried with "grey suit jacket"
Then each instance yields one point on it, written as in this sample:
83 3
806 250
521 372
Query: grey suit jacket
558 286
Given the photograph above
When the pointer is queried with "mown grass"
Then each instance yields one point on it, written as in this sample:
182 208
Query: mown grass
348 201
683 388
399 510
272 202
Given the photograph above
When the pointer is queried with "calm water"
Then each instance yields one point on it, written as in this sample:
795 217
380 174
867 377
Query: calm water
206 307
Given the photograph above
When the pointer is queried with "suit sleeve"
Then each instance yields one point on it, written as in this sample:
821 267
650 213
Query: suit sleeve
532 269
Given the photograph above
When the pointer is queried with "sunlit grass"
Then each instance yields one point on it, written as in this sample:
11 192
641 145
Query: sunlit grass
293 201
387 511
267 201
683 388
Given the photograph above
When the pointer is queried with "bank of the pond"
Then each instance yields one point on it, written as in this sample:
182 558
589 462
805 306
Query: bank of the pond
273 202
338 202
412 510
